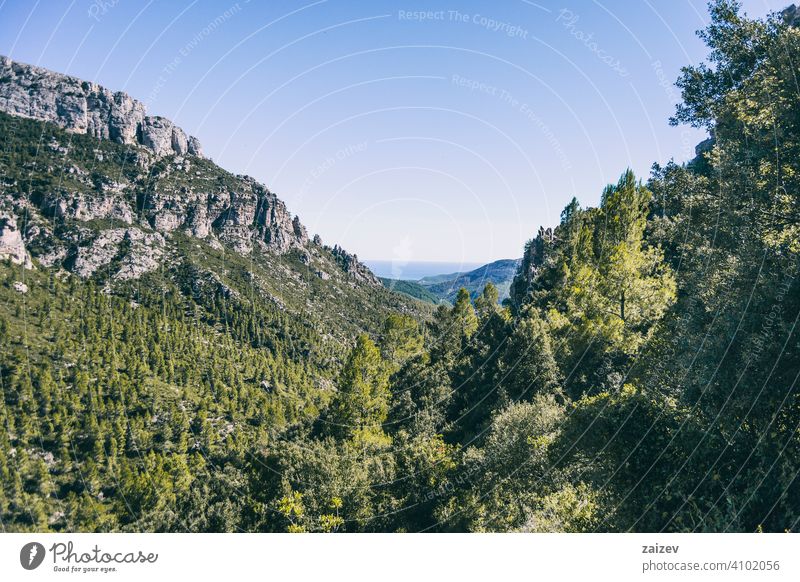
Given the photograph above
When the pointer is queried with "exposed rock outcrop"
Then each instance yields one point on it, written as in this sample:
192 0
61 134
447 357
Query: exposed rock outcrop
246 217
79 206
114 212
12 246
356 270
136 251
88 108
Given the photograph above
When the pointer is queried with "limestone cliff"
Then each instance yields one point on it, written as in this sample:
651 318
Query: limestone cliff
84 107
90 206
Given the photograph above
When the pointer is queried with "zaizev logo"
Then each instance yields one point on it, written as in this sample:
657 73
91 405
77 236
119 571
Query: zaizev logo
31 555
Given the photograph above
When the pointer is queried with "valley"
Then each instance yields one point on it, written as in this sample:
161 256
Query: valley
178 353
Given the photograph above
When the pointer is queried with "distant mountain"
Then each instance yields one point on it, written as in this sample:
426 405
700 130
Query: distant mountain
412 289
437 288
416 270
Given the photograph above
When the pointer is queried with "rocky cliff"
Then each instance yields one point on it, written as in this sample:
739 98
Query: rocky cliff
91 207
12 246
108 186
84 107
356 270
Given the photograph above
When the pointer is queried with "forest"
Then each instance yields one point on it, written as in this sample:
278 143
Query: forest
642 375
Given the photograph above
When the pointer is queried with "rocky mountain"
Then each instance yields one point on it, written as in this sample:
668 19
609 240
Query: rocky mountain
168 187
91 185
82 107
145 197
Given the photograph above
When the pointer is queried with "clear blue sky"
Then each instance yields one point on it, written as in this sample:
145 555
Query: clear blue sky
445 138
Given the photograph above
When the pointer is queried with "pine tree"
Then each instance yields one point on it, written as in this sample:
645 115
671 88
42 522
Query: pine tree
362 401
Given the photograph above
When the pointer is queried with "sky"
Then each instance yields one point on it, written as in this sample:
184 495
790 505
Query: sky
404 131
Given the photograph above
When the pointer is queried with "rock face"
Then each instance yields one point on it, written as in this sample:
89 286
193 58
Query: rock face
88 108
247 216
111 211
12 246
357 271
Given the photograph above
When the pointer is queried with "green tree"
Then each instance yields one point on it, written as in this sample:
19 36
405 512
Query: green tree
605 287
361 403
400 340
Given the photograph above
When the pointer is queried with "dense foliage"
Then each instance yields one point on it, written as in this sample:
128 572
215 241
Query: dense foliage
412 289
642 376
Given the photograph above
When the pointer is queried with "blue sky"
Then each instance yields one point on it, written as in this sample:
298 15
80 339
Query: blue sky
411 131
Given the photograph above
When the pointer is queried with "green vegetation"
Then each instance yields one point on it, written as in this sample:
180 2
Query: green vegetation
641 377
440 288
498 273
412 289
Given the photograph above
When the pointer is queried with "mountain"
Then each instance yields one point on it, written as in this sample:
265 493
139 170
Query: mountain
93 186
87 108
159 304
412 289
177 354
445 287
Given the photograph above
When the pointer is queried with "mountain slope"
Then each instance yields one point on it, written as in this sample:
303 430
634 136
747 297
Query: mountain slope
91 191
412 289
155 307
112 212
445 287
500 273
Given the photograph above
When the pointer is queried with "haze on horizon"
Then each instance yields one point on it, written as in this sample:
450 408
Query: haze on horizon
413 131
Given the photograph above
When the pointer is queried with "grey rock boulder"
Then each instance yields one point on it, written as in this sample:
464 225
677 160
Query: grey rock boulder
136 251
12 245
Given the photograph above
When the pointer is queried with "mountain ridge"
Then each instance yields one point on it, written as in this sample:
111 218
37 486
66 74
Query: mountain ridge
445 287
83 107
161 184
